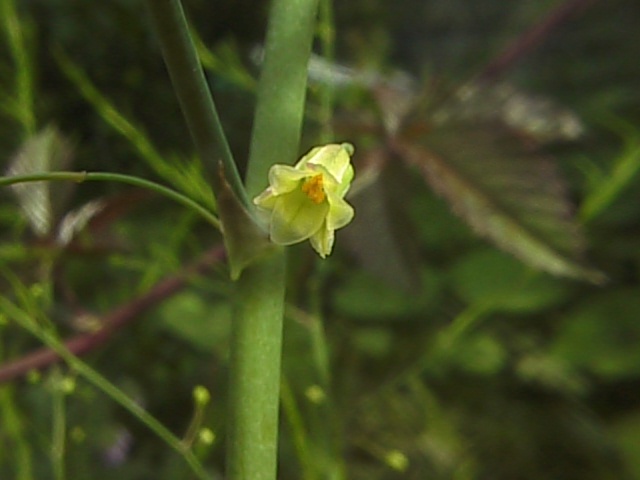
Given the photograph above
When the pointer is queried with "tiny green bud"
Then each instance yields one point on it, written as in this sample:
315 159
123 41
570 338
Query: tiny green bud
397 460
67 385
206 436
201 395
315 394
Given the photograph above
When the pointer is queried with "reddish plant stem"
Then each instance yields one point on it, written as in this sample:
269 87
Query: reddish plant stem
114 321
531 39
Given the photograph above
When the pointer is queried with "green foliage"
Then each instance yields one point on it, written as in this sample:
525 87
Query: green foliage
417 350
488 277
517 201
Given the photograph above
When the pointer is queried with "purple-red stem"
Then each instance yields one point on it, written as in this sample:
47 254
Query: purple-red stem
112 322
531 39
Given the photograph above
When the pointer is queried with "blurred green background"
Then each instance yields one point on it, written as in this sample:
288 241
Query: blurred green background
417 350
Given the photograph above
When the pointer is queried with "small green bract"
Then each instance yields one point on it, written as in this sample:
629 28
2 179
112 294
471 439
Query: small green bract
306 201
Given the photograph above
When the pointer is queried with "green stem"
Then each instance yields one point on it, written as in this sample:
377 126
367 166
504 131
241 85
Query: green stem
59 424
13 427
114 177
281 92
256 344
326 36
193 93
49 339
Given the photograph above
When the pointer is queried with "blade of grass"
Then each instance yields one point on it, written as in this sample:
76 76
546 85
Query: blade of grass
187 177
48 337
22 103
624 170
193 93
13 430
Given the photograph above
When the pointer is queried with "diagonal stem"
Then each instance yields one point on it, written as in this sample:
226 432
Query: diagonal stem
531 39
193 92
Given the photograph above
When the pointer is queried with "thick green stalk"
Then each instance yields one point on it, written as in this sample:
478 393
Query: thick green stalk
259 299
281 92
256 342
193 93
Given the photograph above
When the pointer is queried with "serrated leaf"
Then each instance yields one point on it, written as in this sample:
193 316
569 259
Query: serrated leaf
513 197
205 326
536 117
378 236
513 287
42 202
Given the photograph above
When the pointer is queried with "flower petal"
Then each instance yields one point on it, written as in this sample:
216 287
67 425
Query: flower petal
284 178
340 213
322 241
336 158
266 200
295 218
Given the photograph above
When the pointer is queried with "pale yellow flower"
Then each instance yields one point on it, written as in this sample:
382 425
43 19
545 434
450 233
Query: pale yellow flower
306 201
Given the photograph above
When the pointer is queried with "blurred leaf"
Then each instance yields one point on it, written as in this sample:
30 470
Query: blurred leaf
533 116
480 354
608 187
443 233
188 177
626 432
380 235
197 322
488 276
19 102
373 342
515 199
550 373
225 62
601 335
42 202
365 296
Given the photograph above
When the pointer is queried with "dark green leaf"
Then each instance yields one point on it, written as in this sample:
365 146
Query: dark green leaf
514 198
490 277
380 236
601 335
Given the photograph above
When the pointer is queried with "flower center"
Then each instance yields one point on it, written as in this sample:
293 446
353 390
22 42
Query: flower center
313 188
